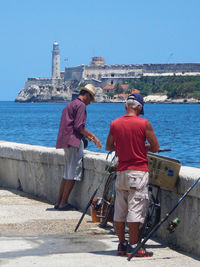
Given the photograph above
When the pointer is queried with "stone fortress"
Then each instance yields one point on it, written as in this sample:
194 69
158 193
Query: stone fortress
61 86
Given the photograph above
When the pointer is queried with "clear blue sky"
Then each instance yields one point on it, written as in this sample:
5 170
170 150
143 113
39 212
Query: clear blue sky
123 32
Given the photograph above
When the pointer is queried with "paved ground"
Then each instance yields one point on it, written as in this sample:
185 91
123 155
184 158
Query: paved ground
34 234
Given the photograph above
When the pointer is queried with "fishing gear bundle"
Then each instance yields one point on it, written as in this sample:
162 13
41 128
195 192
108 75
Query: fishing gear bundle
162 221
95 192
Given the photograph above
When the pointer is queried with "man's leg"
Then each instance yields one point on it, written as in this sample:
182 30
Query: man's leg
133 232
120 214
62 186
123 244
68 186
133 239
120 229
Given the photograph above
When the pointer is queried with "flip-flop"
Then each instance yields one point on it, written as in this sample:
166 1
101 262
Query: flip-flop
66 207
56 207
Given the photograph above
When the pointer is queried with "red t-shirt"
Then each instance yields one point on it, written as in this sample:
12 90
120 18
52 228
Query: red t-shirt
129 136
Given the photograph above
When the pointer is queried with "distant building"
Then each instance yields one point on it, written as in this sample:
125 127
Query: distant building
124 86
109 89
56 61
98 61
61 85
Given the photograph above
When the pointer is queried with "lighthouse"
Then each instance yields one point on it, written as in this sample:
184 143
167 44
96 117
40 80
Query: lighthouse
56 61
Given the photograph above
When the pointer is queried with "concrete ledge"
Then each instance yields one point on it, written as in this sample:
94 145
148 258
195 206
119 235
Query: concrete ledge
187 234
38 170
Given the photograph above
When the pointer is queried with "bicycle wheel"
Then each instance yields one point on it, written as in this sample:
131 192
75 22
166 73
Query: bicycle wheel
153 214
107 207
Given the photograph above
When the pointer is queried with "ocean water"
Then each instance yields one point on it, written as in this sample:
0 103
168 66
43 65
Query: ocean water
177 126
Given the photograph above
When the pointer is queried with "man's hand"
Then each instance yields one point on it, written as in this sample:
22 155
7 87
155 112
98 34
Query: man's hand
96 142
148 148
91 137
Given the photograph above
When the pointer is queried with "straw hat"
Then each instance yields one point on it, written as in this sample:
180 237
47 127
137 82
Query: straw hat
90 89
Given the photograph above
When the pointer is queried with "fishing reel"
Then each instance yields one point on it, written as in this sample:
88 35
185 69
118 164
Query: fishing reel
98 204
173 224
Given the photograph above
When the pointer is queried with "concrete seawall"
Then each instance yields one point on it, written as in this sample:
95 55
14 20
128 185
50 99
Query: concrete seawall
38 170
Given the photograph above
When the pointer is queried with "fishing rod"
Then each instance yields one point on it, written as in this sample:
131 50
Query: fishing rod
162 221
164 150
93 195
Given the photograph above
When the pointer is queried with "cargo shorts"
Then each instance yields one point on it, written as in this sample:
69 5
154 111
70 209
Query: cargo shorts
131 196
73 169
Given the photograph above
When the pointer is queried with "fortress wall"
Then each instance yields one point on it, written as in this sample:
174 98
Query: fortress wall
179 67
44 82
172 74
130 71
38 170
75 73
112 72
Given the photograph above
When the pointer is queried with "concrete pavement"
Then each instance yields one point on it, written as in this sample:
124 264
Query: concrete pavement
32 233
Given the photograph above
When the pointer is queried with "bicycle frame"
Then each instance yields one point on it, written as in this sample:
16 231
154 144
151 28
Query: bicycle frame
153 212
108 198
95 192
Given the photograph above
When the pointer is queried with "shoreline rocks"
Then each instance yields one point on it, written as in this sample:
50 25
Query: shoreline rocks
163 99
28 96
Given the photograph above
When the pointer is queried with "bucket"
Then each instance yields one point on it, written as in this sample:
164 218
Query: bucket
95 213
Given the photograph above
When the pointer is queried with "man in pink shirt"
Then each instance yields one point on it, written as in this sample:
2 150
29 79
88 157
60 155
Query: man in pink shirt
127 137
71 132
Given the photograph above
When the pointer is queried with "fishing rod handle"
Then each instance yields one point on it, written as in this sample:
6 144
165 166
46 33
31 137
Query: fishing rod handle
164 150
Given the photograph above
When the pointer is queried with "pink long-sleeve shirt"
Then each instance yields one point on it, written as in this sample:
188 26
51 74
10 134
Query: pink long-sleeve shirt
73 120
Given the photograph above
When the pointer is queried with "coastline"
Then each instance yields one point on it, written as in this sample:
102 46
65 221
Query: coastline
169 101
152 99
160 99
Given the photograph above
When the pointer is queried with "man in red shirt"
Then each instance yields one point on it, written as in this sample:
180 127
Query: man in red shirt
127 137
71 131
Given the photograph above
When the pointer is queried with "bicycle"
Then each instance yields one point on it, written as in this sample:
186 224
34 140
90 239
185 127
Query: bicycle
107 206
160 169
108 199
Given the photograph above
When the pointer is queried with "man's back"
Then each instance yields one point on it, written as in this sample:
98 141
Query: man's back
72 121
129 136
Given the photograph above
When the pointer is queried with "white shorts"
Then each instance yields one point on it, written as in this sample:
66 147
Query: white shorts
73 169
131 196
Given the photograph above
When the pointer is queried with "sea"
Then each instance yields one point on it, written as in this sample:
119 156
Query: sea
177 126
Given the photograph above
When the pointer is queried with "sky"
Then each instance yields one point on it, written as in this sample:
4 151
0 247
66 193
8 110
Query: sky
123 32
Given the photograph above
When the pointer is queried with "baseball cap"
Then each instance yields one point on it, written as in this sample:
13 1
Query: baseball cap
138 98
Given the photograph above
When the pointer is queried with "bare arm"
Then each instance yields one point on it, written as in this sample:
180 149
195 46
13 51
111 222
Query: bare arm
91 137
153 145
110 145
